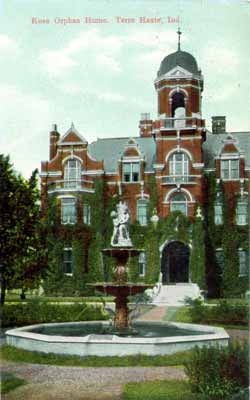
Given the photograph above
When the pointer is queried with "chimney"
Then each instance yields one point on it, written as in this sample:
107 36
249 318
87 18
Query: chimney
53 139
218 124
146 125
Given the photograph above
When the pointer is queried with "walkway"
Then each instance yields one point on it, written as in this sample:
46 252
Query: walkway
74 383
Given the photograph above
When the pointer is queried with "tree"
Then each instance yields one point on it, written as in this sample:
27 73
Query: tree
22 250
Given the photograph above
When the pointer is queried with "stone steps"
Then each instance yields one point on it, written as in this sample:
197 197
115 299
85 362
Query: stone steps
176 294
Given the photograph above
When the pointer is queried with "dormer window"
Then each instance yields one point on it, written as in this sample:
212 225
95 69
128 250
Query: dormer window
72 174
131 172
230 169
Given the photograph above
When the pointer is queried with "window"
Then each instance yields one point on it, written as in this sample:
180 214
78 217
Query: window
179 203
131 172
218 214
67 261
242 212
68 211
179 166
142 212
219 256
243 261
142 264
86 214
72 174
229 169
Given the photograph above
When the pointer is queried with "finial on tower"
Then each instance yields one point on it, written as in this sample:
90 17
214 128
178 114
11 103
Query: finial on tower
179 38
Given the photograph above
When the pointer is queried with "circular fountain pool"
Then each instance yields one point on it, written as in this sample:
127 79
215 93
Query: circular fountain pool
97 338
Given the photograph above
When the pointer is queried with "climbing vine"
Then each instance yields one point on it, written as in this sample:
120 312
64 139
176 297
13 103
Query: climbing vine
203 237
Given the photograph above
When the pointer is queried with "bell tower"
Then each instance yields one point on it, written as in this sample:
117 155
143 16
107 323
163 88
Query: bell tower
179 85
179 132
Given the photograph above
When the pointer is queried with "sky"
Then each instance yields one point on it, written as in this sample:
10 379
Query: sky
100 76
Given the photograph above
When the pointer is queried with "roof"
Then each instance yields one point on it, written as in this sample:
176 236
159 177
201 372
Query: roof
111 150
214 143
181 58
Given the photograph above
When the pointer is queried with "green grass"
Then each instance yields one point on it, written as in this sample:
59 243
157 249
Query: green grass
10 382
177 314
230 301
159 390
10 353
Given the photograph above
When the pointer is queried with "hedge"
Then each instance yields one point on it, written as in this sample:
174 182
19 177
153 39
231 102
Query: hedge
41 312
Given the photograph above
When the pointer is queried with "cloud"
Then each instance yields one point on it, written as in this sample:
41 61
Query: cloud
7 44
214 56
109 62
105 50
90 45
111 97
25 119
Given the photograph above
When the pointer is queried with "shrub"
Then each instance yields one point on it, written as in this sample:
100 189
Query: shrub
219 373
223 313
35 312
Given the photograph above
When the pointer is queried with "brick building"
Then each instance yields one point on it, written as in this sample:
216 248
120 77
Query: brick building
178 152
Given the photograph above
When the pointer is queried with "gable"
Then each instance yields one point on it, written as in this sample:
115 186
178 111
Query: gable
72 136
229 148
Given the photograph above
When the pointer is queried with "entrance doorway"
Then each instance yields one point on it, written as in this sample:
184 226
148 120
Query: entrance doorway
174 263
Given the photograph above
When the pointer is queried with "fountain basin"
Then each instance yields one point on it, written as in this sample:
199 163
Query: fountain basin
110 344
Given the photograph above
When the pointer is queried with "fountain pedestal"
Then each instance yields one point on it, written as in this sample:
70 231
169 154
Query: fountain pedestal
121 289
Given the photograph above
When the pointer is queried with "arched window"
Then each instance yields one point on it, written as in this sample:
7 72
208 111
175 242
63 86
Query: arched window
242 212
179 203
178 101
72 174
142 212
179 167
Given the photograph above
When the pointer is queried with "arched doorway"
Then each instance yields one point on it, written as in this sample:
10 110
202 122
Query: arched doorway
174 263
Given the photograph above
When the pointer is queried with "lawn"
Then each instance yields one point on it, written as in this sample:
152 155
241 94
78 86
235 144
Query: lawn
10 353
159 390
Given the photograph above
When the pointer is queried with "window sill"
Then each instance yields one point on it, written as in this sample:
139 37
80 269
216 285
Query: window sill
128 183
68 274
231 179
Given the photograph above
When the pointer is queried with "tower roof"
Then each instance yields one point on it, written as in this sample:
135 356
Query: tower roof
179 58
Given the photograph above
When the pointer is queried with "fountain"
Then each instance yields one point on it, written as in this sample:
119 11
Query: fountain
100 338
121 250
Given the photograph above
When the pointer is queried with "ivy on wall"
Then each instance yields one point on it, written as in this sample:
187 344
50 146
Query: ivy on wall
203 238
197 257
223 281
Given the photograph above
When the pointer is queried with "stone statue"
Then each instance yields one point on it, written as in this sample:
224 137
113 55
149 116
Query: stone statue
120 237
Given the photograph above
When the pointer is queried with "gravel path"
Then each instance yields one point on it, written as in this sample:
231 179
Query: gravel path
73 383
